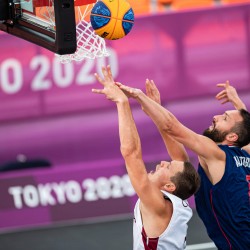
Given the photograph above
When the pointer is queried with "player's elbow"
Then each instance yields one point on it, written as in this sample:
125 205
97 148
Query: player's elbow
129 152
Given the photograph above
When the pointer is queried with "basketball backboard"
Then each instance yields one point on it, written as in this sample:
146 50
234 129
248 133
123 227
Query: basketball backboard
47 23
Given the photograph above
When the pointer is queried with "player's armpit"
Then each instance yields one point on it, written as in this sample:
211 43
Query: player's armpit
214 169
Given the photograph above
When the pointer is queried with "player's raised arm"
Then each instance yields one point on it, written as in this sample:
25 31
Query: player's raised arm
175 149
130 144
168 124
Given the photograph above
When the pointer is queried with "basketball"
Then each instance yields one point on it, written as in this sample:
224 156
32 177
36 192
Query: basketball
112 19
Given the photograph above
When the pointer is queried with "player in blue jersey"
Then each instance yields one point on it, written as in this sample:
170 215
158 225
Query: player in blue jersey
222 201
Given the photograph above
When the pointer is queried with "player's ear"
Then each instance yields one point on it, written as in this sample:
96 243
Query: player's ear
170 187
232 137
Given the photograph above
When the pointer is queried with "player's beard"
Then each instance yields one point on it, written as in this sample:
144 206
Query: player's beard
215 135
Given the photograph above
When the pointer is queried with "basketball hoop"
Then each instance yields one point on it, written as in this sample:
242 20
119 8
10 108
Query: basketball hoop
89 45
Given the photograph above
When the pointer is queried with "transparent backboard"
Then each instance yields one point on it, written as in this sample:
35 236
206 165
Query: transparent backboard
47 23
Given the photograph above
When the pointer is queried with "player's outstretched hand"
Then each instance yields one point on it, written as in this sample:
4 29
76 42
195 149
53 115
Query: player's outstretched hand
152 91
229 94
129 91
110 89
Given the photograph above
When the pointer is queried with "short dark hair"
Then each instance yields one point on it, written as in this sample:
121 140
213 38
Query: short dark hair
242 129
187 182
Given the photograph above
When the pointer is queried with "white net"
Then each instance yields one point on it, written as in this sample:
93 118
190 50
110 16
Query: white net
89 45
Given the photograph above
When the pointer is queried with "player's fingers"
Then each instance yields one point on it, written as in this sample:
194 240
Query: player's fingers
122 87
118 84
109 72
221 85
148 90
98 91
149 85
126 88
224 85
153 87
105 72
154 90
131 91
153 83
98 78
219 98
221 94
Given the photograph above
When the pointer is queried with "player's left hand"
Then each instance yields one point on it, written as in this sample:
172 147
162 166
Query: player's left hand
228 94
152 91
110 89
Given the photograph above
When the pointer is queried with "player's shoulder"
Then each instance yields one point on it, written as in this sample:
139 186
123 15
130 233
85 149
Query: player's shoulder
236 151
229 148
177 202
247 148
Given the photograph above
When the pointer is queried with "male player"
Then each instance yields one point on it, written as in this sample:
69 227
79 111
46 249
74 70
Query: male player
222 201
162 212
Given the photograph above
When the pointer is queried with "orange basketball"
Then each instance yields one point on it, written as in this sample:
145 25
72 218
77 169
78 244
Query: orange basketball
112 19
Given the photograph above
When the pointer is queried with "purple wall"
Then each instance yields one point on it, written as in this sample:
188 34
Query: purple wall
48 111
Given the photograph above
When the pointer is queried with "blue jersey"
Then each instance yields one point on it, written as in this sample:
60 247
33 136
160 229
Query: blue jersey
225 207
